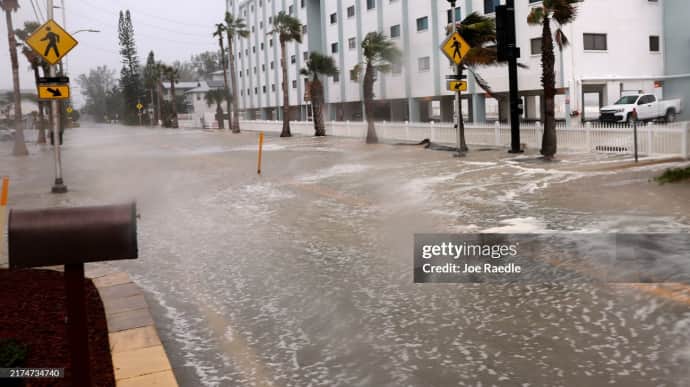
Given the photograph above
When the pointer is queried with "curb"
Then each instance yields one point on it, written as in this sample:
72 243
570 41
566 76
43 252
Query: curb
139 358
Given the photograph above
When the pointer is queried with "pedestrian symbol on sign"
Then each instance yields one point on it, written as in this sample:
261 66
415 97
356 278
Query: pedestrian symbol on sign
53 40
456 49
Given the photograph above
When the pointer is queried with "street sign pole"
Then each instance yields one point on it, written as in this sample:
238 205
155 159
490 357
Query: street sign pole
458 99
508 50
59 185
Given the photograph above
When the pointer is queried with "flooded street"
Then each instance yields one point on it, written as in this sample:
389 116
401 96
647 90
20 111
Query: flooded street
303 276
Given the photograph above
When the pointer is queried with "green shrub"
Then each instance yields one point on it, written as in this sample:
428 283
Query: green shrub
674 175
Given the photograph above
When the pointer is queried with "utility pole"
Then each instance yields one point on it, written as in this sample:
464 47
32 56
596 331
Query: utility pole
507 50
458 99
59 186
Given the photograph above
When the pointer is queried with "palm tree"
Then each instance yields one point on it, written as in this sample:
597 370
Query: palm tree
379 53
479 32
234 28
563 12
220 31
324 65
36 63
216 96
19 149
158 76
288 28
170 73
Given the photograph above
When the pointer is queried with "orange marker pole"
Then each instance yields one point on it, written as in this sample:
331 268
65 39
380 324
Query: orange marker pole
3 207
261 146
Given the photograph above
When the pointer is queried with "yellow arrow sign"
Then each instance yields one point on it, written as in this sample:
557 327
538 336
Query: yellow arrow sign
51 42
53 91
455 48
140 106
69 109
457 85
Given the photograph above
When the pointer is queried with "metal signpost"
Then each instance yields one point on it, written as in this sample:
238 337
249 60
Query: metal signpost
52 43
72 237
455 48
507 50
139 107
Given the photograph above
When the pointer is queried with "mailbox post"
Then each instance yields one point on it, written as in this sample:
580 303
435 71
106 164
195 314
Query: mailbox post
72 237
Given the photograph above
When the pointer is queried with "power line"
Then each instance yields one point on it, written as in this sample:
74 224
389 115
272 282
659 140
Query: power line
178 22
39 18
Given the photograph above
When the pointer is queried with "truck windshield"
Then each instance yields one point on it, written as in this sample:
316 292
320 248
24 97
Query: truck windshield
627 100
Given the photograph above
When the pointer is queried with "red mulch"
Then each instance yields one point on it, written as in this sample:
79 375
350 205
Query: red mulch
33 310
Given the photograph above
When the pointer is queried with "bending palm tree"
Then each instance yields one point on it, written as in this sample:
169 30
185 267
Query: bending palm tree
19 149
379 53
216 96
220 31
288 29
171 75
563 12
36 63
324 65
478 31
234 28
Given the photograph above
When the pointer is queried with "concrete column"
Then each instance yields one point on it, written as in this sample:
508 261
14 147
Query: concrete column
447 109
413 108
504 109
478 108
531 108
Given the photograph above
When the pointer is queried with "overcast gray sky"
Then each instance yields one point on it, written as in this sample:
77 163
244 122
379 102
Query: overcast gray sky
173 29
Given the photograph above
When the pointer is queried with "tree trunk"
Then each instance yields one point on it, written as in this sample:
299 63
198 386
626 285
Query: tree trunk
228 101
235 123
158 103
219 116
173 105
461 120
286 93
369 104
317 106
549 143
19 144
41 123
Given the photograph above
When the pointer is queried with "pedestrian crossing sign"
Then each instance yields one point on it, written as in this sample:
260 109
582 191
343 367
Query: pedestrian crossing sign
51 42
455 48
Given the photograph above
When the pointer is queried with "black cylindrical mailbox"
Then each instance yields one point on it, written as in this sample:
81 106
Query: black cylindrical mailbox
60 236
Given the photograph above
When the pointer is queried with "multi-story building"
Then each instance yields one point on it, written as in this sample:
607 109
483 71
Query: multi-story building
616 46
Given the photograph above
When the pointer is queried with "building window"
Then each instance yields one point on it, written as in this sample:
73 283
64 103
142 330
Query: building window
423 63
371 4
263 68
457 15
334 18
270 42
351 11
253 29
301 4
261 25
354 76
490 5
535 46
270 20
304 29
263 89
594 42
262 46
305 55
294 84
396 68
256 90
272 65
352 43
293 59
253 49
336 78
290 10
334 48
395 31
423 23
654 43
273 87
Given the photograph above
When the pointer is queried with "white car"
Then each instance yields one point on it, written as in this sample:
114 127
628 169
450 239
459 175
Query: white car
647 106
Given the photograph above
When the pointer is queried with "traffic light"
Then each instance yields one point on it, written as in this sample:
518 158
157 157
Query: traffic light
505 33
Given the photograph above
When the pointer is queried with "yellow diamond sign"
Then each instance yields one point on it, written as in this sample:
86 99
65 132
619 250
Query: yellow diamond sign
69 109
140 106
455 48
51 42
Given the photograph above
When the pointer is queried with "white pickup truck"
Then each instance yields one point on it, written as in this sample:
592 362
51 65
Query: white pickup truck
647 106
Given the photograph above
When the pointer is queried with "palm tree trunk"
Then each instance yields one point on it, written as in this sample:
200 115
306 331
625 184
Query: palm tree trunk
549 142
317 105
225 80
286 93
219 115
235 123
19 144
158 102
369 104
173 103
41 123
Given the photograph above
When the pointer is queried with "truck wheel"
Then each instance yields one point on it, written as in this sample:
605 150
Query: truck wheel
670 115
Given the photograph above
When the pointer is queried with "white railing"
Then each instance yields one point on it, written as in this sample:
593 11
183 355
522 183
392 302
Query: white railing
655 139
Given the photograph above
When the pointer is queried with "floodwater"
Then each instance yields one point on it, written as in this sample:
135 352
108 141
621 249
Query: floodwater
303 276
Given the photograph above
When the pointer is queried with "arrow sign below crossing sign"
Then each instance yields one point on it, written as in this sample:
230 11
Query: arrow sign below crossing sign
53 91
457 85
